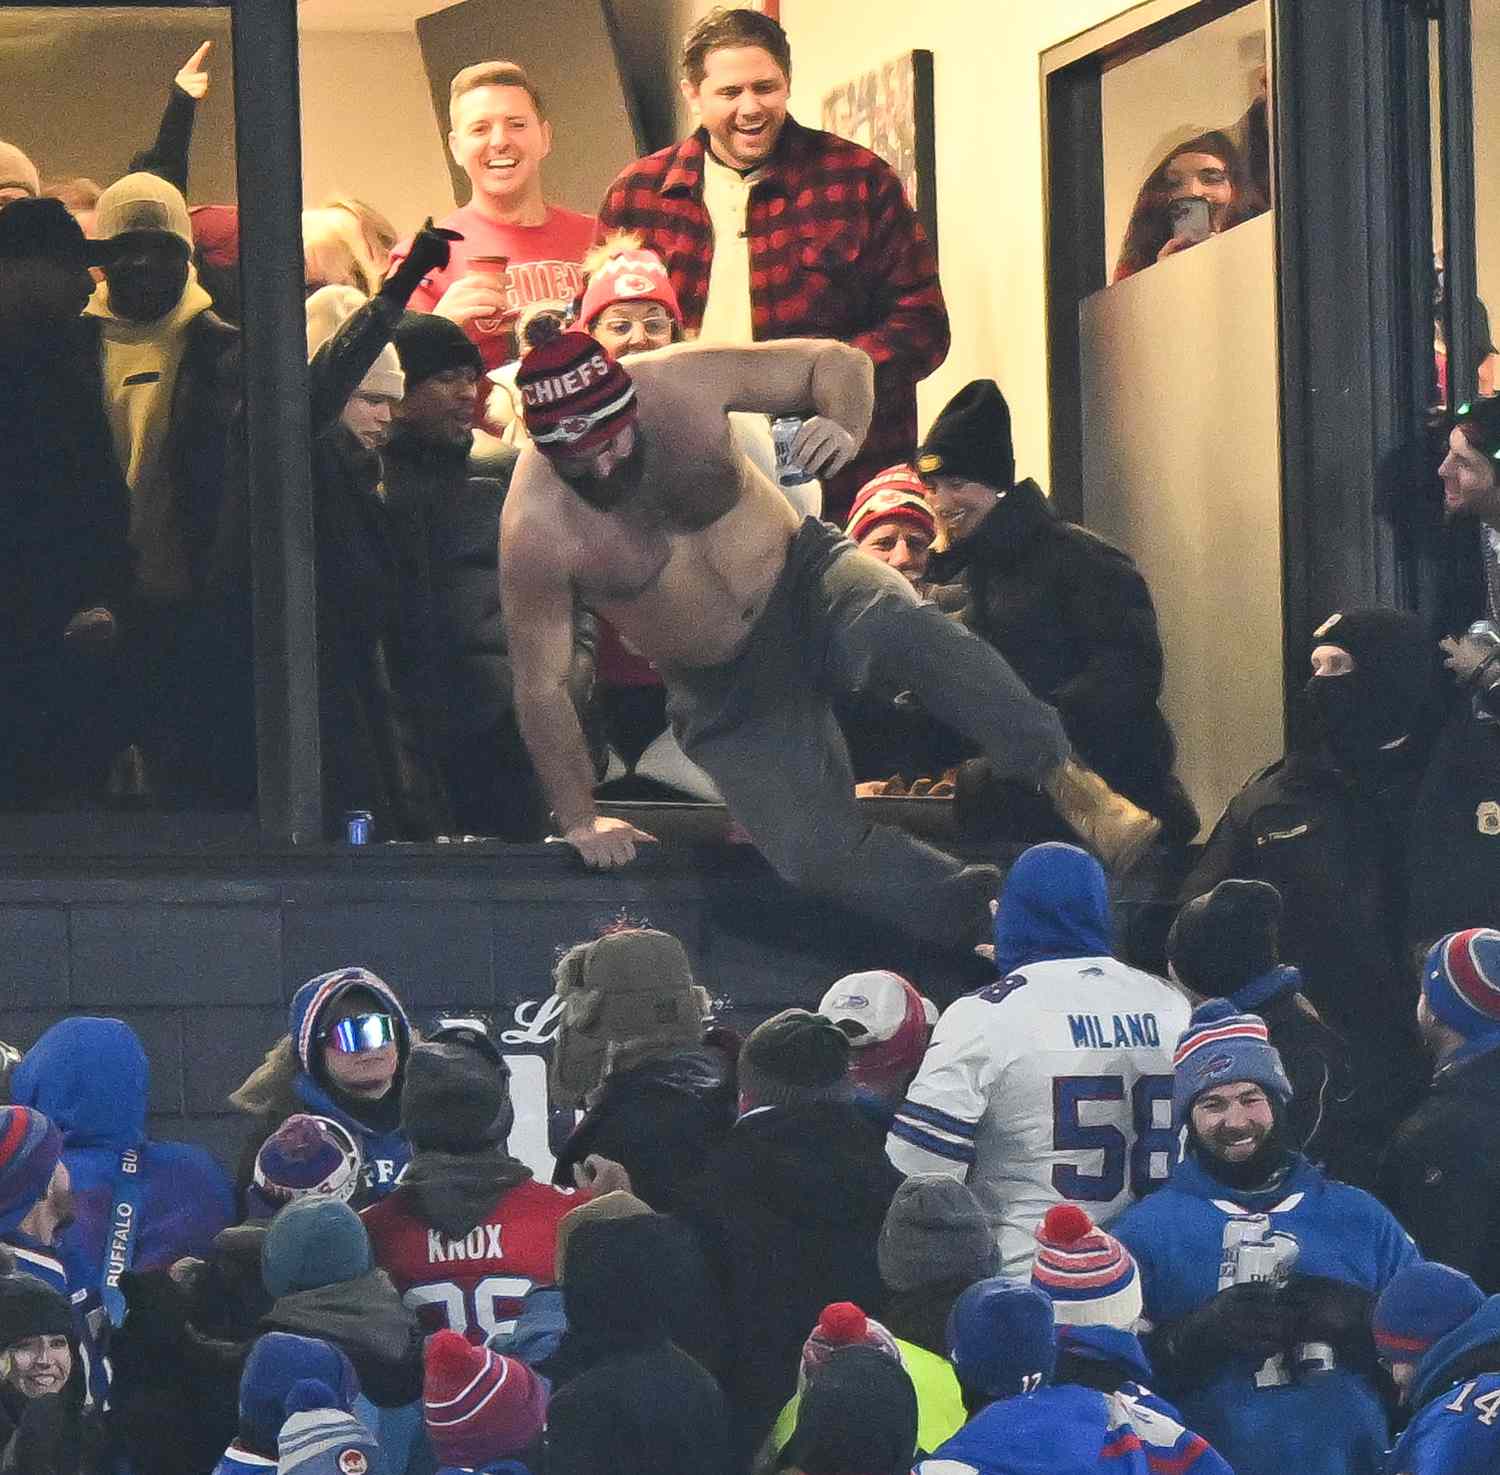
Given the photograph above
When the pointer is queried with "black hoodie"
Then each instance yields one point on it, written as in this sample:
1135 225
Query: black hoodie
788 1211
1441 1174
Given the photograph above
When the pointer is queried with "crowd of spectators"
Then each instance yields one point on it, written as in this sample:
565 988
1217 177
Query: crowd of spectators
1243 1217
1084 1219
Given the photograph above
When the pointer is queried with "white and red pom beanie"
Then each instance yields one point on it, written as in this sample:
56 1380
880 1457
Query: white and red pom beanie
1090 1275
893 495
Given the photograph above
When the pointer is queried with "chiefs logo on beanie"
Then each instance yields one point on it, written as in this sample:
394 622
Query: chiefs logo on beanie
573 395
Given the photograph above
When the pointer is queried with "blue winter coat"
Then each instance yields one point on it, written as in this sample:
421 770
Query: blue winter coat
1456 1430
92 1078
1331 1423
1070 1430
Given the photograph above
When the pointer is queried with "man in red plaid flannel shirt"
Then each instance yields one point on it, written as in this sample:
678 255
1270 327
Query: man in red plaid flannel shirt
773 230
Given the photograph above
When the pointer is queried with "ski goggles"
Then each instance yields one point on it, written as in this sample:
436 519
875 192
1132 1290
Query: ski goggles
360 1032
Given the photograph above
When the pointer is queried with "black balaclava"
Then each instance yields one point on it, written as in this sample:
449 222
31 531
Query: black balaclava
1383 699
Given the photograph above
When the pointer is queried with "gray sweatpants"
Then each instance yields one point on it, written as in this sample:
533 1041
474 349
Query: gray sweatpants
762 725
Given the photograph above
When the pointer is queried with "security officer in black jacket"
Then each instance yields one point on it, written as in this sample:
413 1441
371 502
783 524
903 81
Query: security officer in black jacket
1329 826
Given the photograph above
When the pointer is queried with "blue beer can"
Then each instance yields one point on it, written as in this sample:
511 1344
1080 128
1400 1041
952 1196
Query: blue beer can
359 827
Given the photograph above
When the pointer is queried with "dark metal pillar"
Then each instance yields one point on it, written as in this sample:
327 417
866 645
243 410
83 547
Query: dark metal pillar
268 120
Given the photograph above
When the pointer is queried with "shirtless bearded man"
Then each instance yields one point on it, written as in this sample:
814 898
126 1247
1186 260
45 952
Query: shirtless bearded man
633 497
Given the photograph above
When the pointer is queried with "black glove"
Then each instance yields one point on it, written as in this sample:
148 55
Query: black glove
430 250
1251 1321
1332 1311
48 1439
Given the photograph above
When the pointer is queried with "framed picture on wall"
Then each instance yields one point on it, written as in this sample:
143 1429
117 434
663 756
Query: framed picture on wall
888 109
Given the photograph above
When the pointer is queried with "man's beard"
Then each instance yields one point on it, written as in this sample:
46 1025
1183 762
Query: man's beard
1270 1157
622 483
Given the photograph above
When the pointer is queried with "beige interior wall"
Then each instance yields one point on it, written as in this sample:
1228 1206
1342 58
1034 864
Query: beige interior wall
1195 497
367 124
987 104
1206 79
1486 54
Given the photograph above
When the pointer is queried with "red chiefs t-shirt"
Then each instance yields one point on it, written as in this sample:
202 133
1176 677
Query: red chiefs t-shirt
472 1285
544 265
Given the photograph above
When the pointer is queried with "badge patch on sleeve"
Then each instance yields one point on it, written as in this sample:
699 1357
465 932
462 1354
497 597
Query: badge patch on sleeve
1487 817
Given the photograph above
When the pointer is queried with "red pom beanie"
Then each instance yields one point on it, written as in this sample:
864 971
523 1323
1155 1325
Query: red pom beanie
479 1407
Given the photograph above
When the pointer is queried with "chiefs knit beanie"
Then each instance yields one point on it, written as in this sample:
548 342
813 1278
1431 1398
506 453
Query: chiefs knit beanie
1419 1306
793 1058
574 397
970 439
479 1407
1224 938
1461 978
1090 1276
635 275
895 495
935 1233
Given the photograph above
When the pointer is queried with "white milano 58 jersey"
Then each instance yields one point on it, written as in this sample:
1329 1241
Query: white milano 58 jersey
1052 1085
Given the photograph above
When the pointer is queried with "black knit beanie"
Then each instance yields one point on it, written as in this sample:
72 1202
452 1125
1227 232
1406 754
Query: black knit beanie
795 1057
1226 937
427 344
1480 423
971 439
455 1100
31 1308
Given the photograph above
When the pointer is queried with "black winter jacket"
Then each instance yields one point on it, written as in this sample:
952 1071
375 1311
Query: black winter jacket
1336 851
661 1119
788 1210
1455 843
1073 616
1441 1174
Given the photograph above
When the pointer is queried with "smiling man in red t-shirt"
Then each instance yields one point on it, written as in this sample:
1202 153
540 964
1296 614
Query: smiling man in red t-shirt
516 248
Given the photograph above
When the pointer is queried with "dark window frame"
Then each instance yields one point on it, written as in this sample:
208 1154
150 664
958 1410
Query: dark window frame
288 812
1351 168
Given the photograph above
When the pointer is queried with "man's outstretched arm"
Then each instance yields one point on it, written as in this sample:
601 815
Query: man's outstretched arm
537 602
828 383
